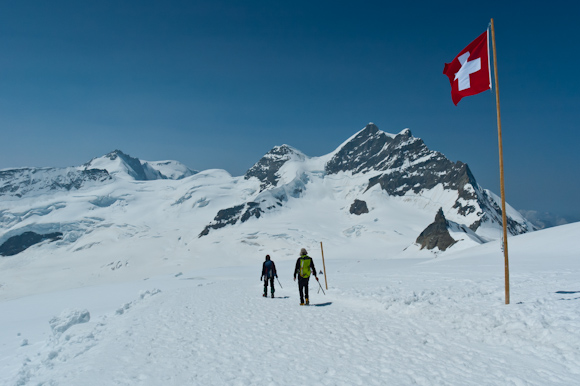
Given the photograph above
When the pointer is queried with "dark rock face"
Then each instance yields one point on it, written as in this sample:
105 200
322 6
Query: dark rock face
252 210
359 207
436 235
266 169
17 244
231 216
360 154
408 164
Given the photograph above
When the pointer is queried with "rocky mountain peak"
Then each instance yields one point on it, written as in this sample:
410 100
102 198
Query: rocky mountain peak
267 168
117 153
437 234
370 129
406 133
361 152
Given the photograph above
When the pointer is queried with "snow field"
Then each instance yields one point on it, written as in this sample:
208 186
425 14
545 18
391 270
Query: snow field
383 321
132 296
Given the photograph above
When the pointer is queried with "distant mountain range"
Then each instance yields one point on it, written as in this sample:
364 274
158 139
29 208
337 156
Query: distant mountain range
119 163
375 186
542 220
399 164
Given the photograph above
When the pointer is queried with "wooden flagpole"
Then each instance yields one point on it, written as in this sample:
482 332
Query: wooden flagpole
323 266
503 212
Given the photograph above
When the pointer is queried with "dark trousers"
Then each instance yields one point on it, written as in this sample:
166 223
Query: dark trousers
271 279
303 287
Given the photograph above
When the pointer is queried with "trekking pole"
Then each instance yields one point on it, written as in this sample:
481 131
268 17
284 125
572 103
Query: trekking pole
279 282
320 287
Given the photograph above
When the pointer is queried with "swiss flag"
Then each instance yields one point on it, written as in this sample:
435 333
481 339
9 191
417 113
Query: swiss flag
469 72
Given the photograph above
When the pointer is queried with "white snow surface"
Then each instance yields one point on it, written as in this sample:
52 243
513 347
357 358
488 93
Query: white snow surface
153 170
414 318
174 170
131 295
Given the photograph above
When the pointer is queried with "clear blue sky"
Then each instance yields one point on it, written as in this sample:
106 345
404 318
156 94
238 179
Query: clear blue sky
216 84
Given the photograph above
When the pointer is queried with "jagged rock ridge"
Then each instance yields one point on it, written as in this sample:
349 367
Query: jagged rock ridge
436 235
407 165
231 216
399 164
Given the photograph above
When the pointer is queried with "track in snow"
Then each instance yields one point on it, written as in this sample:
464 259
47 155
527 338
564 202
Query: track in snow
380 329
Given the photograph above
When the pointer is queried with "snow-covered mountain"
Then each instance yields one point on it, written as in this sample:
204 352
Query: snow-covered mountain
376 187
400 165
17 183
120 164
123 271
39 181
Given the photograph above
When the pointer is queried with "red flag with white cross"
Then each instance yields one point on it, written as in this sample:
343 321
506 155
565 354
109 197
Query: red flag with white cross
469 72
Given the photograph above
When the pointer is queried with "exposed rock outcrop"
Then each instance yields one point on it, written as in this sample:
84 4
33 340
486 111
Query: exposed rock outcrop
267 168
17 244
359 207
436 235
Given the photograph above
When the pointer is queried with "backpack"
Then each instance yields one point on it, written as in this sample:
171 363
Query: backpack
268 269
305 266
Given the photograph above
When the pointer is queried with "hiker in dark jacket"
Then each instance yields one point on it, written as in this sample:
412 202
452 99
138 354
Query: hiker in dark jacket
304 267
268 273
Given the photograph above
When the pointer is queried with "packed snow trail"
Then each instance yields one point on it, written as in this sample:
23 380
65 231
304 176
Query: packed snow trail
388 322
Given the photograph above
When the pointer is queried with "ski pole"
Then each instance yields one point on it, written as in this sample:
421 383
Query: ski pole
279 282
320 287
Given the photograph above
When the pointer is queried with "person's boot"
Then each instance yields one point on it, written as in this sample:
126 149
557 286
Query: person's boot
307 302
265 292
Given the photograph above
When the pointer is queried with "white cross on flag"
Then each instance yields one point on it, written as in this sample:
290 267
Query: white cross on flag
469 72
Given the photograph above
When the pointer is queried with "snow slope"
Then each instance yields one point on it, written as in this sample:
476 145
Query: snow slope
395 321
138 227
122 218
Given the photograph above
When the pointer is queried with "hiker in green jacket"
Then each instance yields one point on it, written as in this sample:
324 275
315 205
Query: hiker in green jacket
304 267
